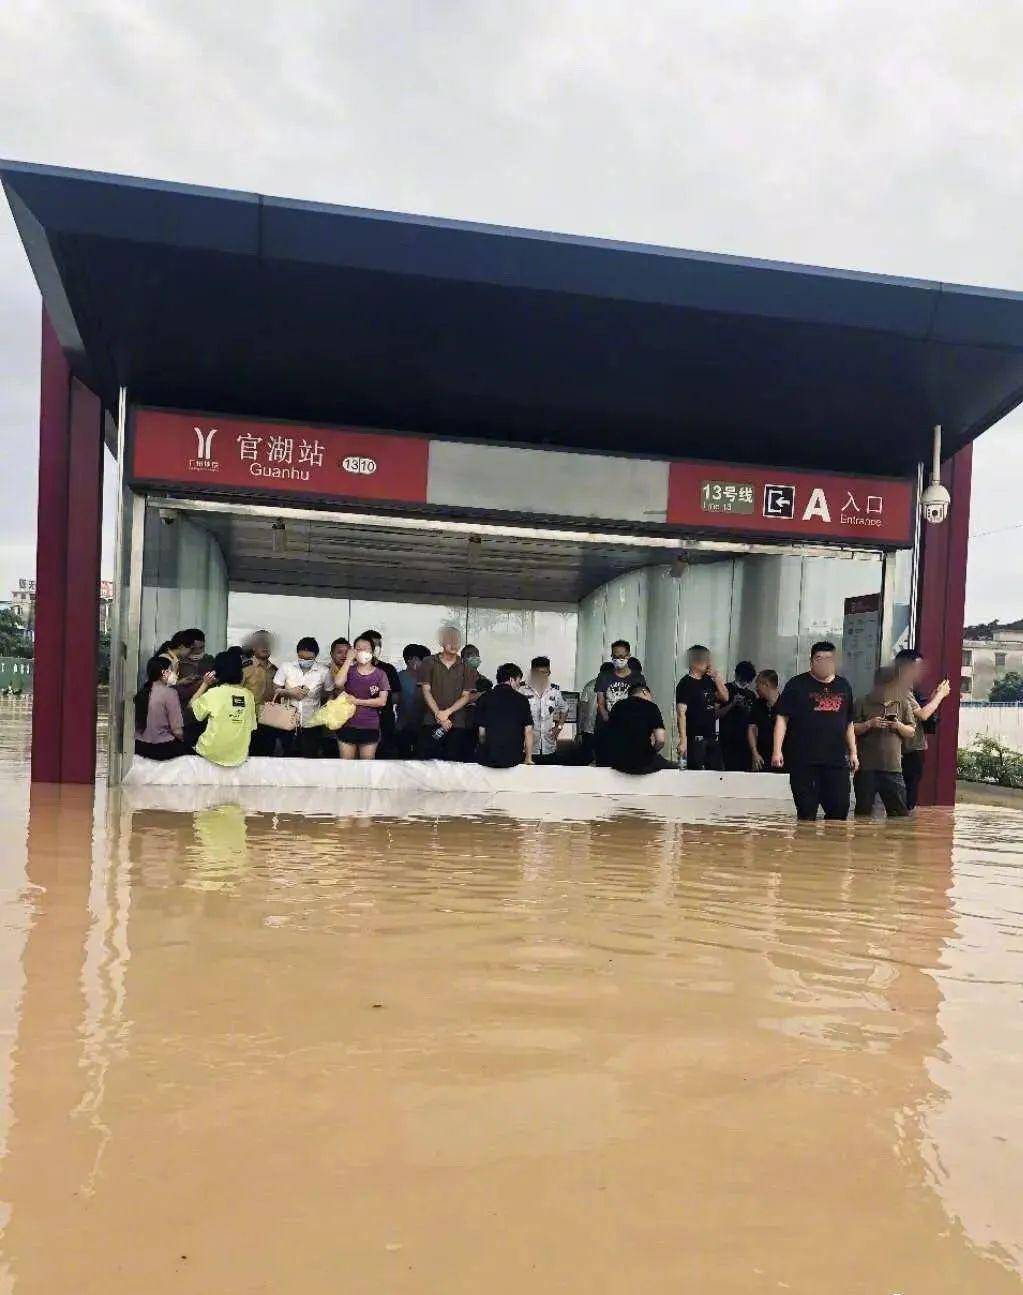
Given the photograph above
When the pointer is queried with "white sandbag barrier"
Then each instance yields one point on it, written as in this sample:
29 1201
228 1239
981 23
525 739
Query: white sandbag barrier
414 777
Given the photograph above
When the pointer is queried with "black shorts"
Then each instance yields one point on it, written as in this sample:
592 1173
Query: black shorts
352 736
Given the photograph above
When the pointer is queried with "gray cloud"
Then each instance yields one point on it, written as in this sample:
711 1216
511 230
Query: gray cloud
871 136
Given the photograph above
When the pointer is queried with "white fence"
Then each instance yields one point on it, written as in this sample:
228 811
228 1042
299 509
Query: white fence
1001 721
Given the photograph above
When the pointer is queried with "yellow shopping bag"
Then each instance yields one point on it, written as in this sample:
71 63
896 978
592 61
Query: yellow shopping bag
336 713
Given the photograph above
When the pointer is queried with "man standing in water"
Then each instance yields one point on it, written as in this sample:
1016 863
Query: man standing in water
883 722
814 737
911 666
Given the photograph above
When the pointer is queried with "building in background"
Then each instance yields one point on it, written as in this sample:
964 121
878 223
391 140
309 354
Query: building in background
23 604
986 660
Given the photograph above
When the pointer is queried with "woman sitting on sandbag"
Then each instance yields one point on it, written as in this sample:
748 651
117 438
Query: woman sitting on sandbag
229 710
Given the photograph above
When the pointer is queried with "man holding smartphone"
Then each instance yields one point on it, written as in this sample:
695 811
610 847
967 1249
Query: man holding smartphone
883 721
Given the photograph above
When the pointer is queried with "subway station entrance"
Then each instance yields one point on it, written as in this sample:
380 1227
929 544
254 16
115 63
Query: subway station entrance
552 440
516 579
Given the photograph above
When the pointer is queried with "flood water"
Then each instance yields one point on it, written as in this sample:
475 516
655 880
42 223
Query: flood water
323 1047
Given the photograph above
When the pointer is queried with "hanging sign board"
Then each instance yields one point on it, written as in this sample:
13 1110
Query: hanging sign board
777 501
209 453
280 458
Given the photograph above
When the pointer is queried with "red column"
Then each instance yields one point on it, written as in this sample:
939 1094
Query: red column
67 572
940 616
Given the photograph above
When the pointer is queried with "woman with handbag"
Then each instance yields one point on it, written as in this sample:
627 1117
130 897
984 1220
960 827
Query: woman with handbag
368 687
302 685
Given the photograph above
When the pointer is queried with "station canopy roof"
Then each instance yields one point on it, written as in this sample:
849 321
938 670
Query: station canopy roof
231 302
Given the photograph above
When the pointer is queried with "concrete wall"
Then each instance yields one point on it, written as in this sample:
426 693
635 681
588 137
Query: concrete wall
1002 722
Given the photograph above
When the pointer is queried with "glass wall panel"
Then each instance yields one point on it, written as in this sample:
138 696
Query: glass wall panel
768 609
705 613
505 633
591 649
288 618
767 624
518 634
184 583
617 610
660 661
902 583
827 583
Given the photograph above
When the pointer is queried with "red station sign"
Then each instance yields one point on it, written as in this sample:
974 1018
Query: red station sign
780 502
224 453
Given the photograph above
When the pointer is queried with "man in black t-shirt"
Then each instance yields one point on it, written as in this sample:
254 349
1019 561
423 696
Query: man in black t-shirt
734 719
505 722
635 733
760 733
698 695
814 738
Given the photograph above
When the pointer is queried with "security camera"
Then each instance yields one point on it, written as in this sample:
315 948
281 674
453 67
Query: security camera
935 500
934 503
168 516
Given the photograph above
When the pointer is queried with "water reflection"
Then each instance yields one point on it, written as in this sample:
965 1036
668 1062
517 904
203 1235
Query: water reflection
263 1044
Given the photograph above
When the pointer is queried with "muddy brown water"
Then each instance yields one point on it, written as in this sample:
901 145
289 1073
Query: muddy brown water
245 1048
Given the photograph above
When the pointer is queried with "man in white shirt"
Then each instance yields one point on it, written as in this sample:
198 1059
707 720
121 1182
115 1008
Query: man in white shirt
304 684
550 710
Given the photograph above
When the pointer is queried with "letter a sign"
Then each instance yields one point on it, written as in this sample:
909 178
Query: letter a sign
817 506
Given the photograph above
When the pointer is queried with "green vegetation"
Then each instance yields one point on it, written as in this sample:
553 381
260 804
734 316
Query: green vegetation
989 760
1008 688
13 639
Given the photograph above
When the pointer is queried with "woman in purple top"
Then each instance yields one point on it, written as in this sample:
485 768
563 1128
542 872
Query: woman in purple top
367 686
159 727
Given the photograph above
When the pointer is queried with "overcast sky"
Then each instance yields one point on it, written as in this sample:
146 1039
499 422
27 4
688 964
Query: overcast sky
865 135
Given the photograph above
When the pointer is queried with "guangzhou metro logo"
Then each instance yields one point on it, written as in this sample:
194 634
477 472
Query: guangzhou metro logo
359 467
204 460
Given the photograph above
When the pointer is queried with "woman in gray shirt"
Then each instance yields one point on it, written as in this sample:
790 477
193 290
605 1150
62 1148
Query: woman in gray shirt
159 728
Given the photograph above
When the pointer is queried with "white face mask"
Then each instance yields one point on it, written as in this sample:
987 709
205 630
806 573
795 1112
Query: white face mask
171 678
364 657
304 665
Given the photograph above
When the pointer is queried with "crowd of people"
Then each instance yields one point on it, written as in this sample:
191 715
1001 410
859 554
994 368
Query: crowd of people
440 706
